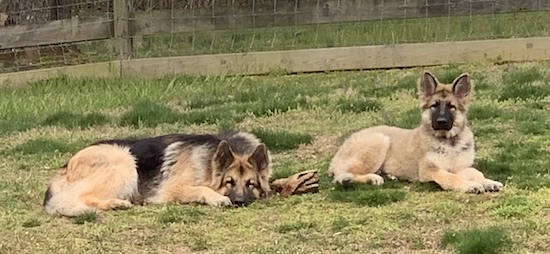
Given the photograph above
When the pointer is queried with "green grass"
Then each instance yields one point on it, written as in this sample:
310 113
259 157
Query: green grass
523 85
43 146
149 114
88 217
477 241
367 196
31 223
359 105
278 141
302 118
340 223
294 226
180 215
72 120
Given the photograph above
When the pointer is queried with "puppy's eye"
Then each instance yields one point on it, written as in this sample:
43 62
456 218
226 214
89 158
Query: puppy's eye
230 182
433 106
451 106
250 184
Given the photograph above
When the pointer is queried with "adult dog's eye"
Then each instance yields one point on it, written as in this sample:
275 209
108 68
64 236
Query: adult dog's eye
230 182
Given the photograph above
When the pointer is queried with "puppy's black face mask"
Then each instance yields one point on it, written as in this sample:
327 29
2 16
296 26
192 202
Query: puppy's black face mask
442 116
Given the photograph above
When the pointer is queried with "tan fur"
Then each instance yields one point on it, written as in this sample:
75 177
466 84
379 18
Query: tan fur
190 182
421 154
97 177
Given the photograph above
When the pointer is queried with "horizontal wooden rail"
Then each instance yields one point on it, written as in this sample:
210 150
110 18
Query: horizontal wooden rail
345 58
307 60
55 32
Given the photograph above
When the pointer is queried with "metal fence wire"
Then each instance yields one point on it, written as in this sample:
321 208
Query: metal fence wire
46 33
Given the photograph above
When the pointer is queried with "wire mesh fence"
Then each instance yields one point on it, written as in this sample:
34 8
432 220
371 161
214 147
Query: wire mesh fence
46 33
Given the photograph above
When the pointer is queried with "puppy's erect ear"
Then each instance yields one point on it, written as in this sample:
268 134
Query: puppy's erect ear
462 85
260 158
223 157
428 84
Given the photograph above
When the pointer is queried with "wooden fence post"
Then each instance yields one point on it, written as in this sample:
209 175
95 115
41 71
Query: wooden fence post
122 11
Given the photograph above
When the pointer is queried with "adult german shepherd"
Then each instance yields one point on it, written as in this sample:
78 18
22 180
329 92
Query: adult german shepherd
441 149
219 170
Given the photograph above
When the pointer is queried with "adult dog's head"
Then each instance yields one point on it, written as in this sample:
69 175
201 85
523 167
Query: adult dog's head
241 177
444 106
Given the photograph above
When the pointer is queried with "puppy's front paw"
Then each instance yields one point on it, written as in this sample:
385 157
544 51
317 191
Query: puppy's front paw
375 179
344 179
472 187
491 185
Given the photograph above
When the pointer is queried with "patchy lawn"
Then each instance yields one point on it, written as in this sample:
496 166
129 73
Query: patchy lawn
303 118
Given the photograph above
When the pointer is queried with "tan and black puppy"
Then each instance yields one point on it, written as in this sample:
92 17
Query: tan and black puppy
441 149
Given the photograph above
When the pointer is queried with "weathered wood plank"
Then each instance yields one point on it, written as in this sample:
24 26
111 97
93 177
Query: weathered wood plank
55 32
309 60
105 69
346 58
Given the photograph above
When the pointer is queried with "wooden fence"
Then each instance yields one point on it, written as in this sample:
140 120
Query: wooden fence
125 25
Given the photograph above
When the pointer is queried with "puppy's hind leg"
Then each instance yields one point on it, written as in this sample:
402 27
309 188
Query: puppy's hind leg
359 158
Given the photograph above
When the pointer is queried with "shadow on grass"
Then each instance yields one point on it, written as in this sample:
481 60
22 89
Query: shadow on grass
184 214
149 114
31 223
74 120
89 217
367 195
287 227
8 126
43 146
278 141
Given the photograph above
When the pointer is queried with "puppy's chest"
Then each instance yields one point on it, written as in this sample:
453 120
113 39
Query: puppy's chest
451 151
450 148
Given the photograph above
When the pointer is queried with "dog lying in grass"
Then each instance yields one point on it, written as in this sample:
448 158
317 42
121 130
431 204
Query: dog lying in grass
441 149
231 168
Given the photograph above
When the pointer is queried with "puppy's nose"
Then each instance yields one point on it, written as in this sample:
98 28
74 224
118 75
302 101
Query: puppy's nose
441 120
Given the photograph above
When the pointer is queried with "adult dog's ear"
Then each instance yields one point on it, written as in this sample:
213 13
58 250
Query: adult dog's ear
260 158
223 157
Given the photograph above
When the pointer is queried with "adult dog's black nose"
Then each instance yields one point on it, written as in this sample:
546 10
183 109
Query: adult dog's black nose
240 202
